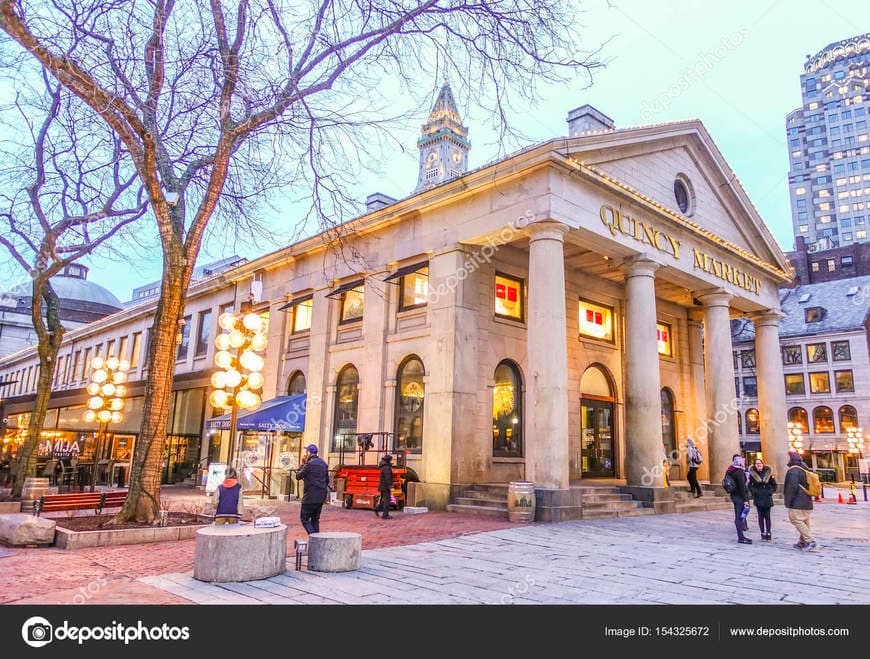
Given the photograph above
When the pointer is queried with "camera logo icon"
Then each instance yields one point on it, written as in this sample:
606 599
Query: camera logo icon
37 632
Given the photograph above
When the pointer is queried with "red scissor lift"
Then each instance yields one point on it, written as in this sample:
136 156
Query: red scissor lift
361 479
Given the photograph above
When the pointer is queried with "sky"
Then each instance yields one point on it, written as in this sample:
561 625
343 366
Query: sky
734 65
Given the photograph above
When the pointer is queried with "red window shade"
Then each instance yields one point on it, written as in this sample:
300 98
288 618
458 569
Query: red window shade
599 318
500 291
590 315
512 294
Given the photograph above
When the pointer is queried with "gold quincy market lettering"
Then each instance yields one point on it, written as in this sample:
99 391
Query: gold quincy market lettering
727 272
640 231
647 234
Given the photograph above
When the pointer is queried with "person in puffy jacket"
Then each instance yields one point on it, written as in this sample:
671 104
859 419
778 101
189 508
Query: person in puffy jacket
739 496
762 485
797 501
385 485
228 499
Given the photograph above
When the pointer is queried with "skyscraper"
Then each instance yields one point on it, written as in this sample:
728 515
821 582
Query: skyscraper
829 150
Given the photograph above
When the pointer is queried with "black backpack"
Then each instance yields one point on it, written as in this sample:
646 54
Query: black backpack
729 484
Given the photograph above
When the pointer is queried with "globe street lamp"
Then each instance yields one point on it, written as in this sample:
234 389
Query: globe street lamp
239 383
795 437
855 439
106 390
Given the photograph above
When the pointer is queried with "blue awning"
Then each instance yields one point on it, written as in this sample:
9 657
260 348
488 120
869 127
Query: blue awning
285 413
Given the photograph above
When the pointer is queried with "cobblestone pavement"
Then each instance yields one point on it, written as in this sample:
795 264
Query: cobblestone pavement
110 575
664 559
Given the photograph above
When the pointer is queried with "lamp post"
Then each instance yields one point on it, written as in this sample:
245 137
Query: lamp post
855 439
106 390
239 383
795 437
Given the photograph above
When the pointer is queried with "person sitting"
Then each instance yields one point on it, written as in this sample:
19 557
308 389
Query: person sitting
228 499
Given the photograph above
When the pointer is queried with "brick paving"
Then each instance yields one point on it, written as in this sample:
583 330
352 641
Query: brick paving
449 558
108 575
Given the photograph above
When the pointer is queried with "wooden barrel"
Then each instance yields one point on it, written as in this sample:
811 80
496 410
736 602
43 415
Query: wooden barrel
521 501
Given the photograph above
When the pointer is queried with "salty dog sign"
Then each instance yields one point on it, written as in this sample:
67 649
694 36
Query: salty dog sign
647 233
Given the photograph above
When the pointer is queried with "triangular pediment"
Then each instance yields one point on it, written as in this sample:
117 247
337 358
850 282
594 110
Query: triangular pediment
650 159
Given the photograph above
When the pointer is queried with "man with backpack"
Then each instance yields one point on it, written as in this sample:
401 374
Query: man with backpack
694 460
734 484
800 486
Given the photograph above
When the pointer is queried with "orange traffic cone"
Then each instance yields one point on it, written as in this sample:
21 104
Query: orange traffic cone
839 497
852 500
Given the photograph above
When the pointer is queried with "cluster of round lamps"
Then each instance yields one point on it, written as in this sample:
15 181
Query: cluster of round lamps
106 390
240 379
855 439
795 437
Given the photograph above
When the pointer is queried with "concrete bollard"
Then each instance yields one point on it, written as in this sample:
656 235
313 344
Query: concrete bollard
335 551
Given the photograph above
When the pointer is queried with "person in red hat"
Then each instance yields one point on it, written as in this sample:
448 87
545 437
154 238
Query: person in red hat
315 474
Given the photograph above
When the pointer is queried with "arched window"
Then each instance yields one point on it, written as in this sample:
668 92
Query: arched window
752 422
507 411
410 395
848 417
669 427
346 406
799 416
296 384
823 419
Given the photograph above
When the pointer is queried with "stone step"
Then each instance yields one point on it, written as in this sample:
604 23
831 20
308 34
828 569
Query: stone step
613 506
701 506
637 512
586 490
501 513
606 513
501 504
602 498
485 495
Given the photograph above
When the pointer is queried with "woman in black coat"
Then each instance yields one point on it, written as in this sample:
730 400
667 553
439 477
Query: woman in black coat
762 486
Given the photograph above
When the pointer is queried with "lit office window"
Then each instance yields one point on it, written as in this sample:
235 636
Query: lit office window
664 340
508 297
596 321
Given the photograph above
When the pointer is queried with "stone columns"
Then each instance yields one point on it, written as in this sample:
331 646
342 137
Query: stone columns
698 419
723 440
644 451
771 391
546 443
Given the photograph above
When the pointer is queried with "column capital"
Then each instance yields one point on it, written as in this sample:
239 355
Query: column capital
640 266
767 317
546 230
715 297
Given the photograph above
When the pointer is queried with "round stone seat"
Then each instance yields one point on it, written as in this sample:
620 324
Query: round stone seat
239 552
335 551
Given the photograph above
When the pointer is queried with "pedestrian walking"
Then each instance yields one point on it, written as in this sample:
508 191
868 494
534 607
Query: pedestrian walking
735 484
798 502
314 473
385 486
228 500
762 485
694 460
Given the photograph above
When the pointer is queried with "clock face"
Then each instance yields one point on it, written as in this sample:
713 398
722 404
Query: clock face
457 157
432 156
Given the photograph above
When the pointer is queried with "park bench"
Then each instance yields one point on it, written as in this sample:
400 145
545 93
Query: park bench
95 501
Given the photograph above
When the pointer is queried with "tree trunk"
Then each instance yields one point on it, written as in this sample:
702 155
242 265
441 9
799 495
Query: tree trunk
49 342
143 499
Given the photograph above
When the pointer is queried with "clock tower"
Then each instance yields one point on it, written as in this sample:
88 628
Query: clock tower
443 143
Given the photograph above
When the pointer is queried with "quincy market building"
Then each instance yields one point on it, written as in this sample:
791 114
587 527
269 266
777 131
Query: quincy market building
558 315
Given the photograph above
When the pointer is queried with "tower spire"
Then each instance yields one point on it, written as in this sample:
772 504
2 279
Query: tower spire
443 143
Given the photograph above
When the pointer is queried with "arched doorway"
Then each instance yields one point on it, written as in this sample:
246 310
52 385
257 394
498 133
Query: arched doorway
598 425
669 433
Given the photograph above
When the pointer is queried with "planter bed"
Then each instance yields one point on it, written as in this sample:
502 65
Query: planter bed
84 534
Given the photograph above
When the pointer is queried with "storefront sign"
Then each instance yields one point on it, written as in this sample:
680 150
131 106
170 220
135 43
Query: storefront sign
647 234
288 460
726 272
642 232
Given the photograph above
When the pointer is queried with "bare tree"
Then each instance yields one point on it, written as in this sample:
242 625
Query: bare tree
218 102
75 199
